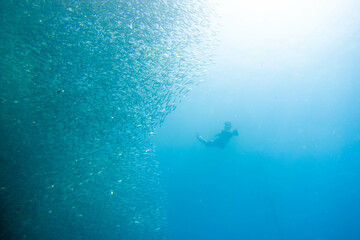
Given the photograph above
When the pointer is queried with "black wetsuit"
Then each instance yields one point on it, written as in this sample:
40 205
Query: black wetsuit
221 139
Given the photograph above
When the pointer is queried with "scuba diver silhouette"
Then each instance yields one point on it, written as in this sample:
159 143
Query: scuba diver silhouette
221 139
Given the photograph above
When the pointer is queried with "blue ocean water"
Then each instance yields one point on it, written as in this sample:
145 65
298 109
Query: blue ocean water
292 92
101 103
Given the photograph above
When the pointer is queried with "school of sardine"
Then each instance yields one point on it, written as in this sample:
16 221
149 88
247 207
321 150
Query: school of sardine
83 84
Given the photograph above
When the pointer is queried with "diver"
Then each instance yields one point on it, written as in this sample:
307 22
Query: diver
221 139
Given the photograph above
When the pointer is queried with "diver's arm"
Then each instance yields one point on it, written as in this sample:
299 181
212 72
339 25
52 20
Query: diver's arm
220 133
235 132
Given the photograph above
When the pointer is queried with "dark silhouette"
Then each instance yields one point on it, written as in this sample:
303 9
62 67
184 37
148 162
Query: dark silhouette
221 139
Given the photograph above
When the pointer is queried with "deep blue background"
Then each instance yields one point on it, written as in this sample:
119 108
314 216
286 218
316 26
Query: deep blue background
256 189
294 170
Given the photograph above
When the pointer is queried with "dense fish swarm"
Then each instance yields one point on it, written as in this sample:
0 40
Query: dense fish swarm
83 84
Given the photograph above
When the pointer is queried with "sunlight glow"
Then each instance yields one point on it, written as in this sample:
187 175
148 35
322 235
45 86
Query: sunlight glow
279 17
294 26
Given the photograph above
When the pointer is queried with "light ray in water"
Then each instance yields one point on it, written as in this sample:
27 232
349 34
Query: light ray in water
292 29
